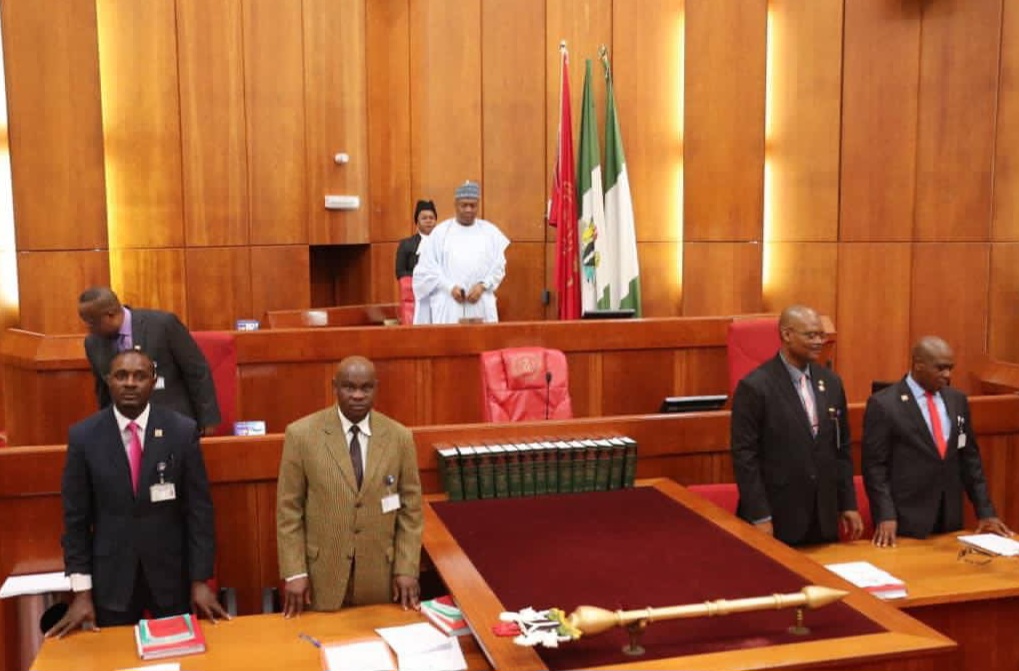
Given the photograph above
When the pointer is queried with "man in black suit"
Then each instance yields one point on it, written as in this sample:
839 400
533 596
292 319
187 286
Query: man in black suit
920 452
138 523
790 441
425 218
183 380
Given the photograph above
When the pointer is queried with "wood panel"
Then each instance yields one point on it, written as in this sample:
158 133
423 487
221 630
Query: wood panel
141 123
275 115
647 67
264 394
399 389
387 55
956 119
279 279
1005 213
800 272
513 89
724 120
219 287
384 287
34 391
585 25
949 299
462 407
699 371
872 314
802 120
661 293
654 370
519 295
445 94
49 284
1003 315
56 149
721 278
235 506
880 93
215 162
336 118
151 278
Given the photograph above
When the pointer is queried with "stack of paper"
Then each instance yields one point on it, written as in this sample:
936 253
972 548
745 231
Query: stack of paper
992 544
865 575
420 647
444 614
169 637
366 655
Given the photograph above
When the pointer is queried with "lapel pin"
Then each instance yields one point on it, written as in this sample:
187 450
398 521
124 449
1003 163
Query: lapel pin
820 385
904 397
158 433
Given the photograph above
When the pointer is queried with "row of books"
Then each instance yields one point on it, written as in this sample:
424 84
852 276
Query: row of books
532 469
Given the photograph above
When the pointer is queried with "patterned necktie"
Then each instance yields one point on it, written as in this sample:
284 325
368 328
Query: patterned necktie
808 403
355 455
134 455
939 434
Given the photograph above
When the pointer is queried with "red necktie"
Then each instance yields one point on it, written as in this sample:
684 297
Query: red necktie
939 434
134 455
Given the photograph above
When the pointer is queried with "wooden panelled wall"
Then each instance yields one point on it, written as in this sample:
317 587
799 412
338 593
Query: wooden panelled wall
858 155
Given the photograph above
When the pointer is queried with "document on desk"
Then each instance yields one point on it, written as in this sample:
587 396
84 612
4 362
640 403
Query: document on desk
364 655
35 583
992 544
422 647
865 575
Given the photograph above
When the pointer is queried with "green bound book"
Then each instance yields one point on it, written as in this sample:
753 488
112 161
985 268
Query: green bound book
540 478
604 464
526 469
449 472
486 472
498 454
578 452
590 465
617 461
469 472
564 457
630 464
513 470
551 467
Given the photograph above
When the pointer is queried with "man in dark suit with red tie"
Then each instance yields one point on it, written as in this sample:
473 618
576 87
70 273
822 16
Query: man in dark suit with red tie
920 452
790 440
183 380
138 523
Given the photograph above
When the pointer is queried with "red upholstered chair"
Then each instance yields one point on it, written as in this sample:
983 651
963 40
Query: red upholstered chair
725 495
406 300
515 385
221 353
750 342
863 505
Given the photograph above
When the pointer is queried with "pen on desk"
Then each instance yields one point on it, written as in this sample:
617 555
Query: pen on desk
309 639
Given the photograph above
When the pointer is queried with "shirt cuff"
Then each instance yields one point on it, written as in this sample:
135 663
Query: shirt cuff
295 577
762 520
81 582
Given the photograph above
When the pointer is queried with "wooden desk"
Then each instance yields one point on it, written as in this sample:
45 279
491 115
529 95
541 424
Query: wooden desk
976 605
347 315
905 643
244 644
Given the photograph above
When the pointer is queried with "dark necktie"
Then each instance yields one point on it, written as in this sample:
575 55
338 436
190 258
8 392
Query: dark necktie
355 455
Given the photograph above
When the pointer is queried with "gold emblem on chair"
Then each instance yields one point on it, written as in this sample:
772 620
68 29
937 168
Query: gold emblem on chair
524 367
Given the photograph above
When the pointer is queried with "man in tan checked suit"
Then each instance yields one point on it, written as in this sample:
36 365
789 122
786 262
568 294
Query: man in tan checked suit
348 503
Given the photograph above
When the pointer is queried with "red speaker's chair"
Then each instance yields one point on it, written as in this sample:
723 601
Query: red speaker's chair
749 343
725 495
221 353
524 383
407 300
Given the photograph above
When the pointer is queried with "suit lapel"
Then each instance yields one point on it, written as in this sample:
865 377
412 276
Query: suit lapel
117 453
373 469
336 445
790 395
954 413
155 449
106 348
139 330
916 417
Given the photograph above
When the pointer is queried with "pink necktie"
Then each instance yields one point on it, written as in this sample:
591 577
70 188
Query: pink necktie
808 403
939 434
134 455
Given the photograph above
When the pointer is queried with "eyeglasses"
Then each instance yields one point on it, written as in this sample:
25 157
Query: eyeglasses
972 555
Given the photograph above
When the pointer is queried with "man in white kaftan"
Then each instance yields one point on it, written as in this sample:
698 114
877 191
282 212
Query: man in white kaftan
461 264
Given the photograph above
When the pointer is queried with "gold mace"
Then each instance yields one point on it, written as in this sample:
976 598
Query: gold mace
590 620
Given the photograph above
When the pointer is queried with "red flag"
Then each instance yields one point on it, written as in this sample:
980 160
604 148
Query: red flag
563 209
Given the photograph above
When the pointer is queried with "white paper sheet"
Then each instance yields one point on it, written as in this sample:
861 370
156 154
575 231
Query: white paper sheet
35 583
993 543
359 656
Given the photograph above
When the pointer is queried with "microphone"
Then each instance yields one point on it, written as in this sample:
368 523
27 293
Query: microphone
548 391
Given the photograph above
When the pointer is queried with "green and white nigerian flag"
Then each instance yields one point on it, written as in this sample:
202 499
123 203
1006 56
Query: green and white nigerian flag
619 222
595 245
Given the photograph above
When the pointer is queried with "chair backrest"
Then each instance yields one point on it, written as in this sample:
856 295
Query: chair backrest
407 300
515 385
749 343
220 351
725 495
